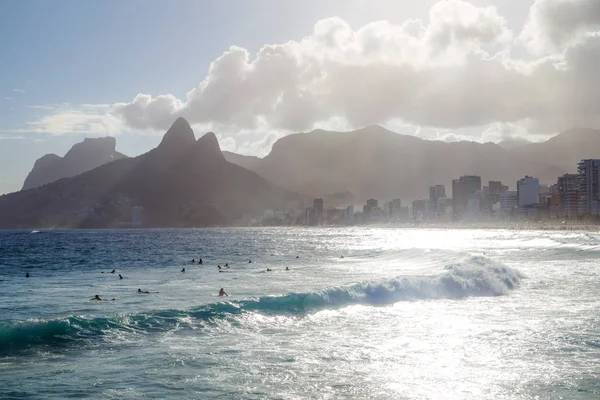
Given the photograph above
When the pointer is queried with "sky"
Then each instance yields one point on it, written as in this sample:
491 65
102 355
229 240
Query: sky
483 70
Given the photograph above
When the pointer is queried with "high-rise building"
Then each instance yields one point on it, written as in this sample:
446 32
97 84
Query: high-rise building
472 182
495 189
419 209
459 198
568 187
317 215
491 196
461 189
528 192
348 215
435 193
395 207
589 172
308 216
509 201
370 209
474 206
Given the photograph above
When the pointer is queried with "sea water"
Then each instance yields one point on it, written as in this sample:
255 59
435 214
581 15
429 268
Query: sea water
361 313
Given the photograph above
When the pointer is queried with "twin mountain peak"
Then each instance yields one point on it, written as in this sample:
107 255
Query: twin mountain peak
182 182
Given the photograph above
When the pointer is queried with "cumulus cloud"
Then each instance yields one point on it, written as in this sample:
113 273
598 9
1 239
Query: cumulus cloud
456 70
367 76
552 24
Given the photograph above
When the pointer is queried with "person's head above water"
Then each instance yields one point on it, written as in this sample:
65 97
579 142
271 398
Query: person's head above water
27 275
139 290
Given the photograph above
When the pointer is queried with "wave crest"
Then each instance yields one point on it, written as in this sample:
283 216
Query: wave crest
478 276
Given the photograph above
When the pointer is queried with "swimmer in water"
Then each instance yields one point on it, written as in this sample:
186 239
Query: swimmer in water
120 276
27 275
183 270
96 298
222 292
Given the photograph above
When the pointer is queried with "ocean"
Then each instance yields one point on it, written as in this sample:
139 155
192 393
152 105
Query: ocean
360 313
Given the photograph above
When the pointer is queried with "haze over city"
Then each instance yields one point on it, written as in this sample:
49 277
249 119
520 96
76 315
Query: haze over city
253 72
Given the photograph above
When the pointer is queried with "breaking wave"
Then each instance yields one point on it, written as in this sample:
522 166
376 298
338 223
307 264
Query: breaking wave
478 276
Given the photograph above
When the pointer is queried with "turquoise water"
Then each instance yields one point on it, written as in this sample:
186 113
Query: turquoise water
404 314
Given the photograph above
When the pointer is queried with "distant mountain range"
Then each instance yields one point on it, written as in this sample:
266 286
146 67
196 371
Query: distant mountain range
187 182
512 143
183 182
375 162
82 157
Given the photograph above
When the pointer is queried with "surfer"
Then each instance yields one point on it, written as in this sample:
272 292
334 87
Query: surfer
143 291
27 275
120 276
249 261
97 298
183 270
287 268
200 261
218 266
193 260
113 271
297 256
269 270
222 292
226 265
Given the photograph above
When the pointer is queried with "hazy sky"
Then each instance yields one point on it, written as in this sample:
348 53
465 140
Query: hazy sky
253 71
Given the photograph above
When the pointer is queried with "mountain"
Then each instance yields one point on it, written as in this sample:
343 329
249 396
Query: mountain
183 182
513 143
375 162
564 150
248 162
82 157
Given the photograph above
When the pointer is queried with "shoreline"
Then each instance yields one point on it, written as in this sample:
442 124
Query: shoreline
475 226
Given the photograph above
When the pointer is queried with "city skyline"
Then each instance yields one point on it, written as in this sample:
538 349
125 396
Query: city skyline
572 196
